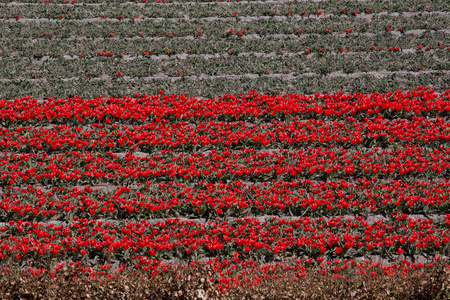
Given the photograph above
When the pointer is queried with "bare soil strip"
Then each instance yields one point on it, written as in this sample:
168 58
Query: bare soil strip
371 219
242 19
245 37
184 56
166 3
287 77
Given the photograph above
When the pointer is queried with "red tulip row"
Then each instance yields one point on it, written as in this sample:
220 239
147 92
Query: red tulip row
246 164
252 106
336 237
233 199
163 135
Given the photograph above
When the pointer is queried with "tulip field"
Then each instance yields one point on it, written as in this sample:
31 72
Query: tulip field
224 149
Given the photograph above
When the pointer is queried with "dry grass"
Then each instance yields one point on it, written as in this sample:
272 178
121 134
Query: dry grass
194 284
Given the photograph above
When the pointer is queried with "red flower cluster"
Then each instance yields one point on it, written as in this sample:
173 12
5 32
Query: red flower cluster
223 158
422 102
247 236
275 134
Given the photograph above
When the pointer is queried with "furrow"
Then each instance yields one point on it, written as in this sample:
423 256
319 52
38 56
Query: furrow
245 37
162 3
287 77
242 19
184 56
371 219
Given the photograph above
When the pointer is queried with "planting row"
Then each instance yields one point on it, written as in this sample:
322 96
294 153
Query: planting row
236 198
46 44
228 65
251 107
215 9
234 135
247 164
242 238
272 16
209 86
234 276
385 4
220 28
